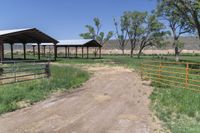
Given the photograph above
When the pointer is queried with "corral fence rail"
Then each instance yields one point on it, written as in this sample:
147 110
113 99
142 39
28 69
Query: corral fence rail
20 71
174 74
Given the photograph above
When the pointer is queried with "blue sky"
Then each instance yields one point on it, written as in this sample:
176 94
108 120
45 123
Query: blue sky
66 19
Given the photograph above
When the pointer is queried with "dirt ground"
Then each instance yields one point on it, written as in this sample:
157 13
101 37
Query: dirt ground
114 100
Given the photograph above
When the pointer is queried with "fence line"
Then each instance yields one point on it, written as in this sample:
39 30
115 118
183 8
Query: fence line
175 74
13 71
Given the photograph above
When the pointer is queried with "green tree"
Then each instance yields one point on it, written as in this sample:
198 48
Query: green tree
94 32
121 35
189 11
132 22
178 26
152 33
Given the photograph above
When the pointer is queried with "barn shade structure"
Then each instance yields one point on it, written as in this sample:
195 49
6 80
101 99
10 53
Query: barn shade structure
24 36
43 45
67 44
86 43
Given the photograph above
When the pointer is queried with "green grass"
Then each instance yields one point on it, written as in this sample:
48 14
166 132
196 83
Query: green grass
62 78
80 61
177 107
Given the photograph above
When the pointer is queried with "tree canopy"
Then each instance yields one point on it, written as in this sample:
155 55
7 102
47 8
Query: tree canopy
152 33
121 34
178 26
94 32
132 23
188 11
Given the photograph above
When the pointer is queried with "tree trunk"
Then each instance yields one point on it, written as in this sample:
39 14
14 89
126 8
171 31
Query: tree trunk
176 49
131 52
132 47
177 54
197 23
198 32
140 52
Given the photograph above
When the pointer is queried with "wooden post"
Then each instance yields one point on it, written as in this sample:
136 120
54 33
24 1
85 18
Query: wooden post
44 50
68 51
99 52
1 50
11 49
65 52
24 48
33 50
38 51
82 51
49 49
87 52
76 52
95 52
187 76
55 52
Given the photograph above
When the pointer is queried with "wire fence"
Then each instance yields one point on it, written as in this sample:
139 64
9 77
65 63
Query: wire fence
174 74
19 71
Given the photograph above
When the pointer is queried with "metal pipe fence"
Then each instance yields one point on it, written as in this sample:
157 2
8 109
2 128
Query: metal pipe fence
20 71
174 74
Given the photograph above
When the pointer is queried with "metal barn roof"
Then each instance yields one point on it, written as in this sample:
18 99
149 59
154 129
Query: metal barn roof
43 44
28 35
4 32
83 42
73 43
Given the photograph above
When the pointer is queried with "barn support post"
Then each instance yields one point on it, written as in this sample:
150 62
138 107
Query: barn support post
24 49
1 50
33 50
95 52
11 50
50 50
55 51
38 45
44 50
82 51
65 51
99 52
68 52
76 51
87 52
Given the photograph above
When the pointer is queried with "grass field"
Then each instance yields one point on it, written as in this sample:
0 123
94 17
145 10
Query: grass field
14 96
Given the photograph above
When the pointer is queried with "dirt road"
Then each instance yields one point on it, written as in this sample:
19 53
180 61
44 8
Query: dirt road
114 100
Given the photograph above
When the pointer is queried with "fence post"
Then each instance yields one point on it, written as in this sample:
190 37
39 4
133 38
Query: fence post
187 76
47 70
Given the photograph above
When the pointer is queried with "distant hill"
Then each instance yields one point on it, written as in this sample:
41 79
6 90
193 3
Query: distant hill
191 43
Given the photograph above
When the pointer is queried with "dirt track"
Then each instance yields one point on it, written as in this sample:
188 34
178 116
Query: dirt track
112 101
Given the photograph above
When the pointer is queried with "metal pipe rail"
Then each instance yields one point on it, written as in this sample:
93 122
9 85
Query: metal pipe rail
13 72
174 74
